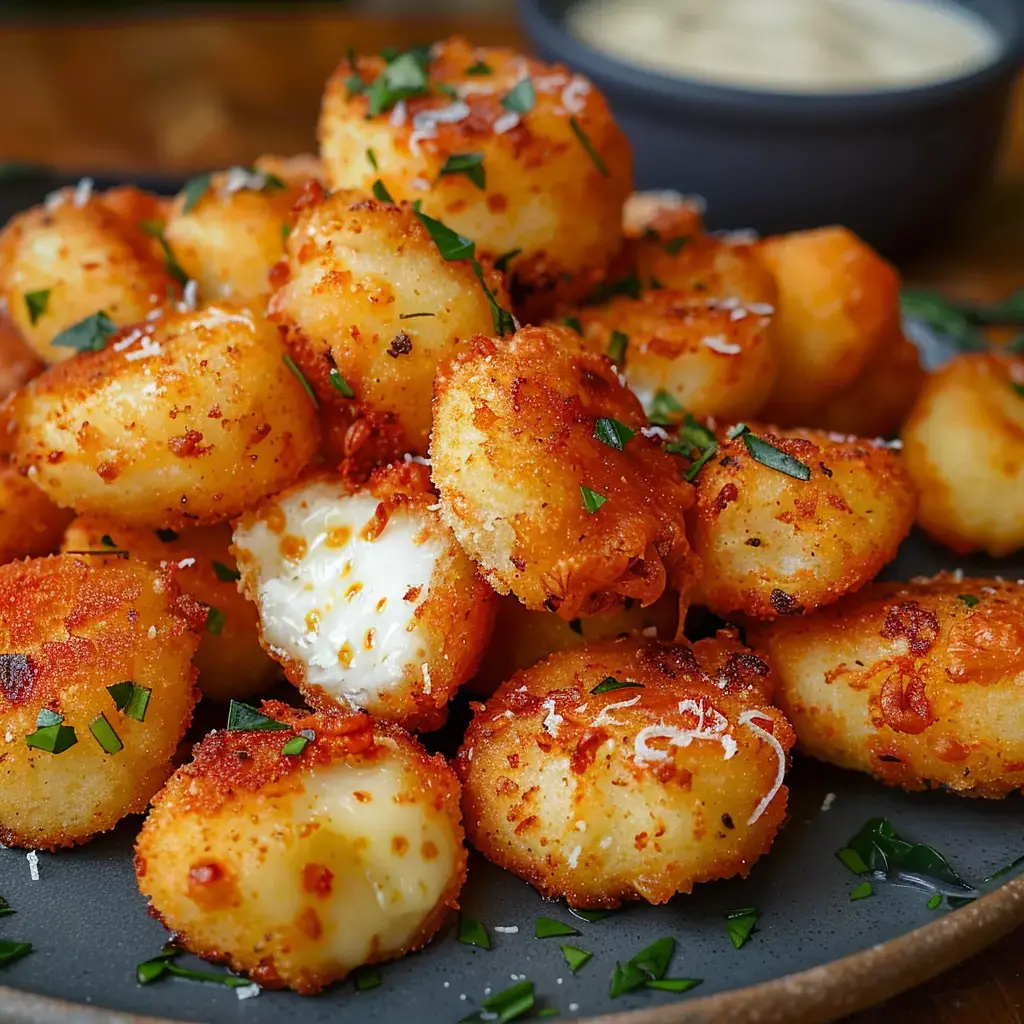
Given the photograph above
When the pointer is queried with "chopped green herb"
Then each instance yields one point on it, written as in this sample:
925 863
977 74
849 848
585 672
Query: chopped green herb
413 316
504 321
656 284
521 97
88 335
502 262
298 743
163 966
1011 867
770 456
573 322
354 84
613 433
693 436
11 951
194 190
225 573
853 861
480 68
286 230
590 916
935 901
339 383
301 378
1008 312
371 158
447 90
676 245
737 430
245 718
959 321
51 734
617 347
592 501
380 192
665 409
469 164
549 928
1018 389
505 1006
575 957
968 599
403 77
610 684
107 541
36 303
589 147
631 285
674 984
576 625
215 620
167 536
5 908
861 892
740 924
104 734
131 699
450 244
155 229
473 933
368 977
649 964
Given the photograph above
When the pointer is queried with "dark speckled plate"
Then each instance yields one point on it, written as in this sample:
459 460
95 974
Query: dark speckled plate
815 953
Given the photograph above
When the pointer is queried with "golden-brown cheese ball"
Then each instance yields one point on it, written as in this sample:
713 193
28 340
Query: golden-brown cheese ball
919 684
838 305
30 524
297 868
369 306
548 479
670 774
78 255
232 664
229 237
714 359
184 420
364 595
963 444
773 544
555 166
18 363
96 691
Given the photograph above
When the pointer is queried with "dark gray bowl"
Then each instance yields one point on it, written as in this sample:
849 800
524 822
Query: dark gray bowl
893 165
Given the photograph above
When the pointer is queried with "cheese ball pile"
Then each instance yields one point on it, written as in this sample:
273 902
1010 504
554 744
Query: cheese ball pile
448 407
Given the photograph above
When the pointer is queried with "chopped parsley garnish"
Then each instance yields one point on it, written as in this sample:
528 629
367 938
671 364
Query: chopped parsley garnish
549 928
862 891
507 1005
631 285
381 193
693 436
573 322
301 378
245 718
354 84
590 916
610 684
163 966
675 984
472 933
1018 389
576 625
155 229
676 245
339 384
959 321
404 76
286 230
770 456
88 335
740 924
1007 869
575 957
592 501
104 734
11 951
5 908
504 321
613 433
968 599
480 68
371 158
194 190
36 303
589 147
649 964
298 743
502 262
665 409
51 734
131 699
450 244
617 347
368 977
215 620
469 164
521 98
413 316
935 901
167 536
107 541
225 573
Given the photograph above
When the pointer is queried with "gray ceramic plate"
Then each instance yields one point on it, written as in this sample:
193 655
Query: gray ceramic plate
90 928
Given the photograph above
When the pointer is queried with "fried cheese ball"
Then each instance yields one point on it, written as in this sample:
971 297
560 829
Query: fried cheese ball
183 420
229 238
30 524
838 308
77 255
549 150
364 596
232 664
774 544
96 691
548 480
18 363
369 307
671 774
298 868
712 361
918 684
963 444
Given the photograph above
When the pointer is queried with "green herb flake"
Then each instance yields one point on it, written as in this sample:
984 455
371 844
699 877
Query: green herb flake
354 84
403 77
131 699
245 718
167 536
368 977
298 743
770 456
88 335
613 433
521 98
693 437
649 964
381 193
590 916
665 410
371 158
959 321
480 68
300 377
471 165
225 573
163 966
549 928
853 861
472 933
575 957
572 322
631 286
5 908
861 892
51 734
1018 389
413 316
194 190
339 384
504 321
617 346
11 951
592 501
502 262
508 1005
450 244
576 625
580 134
935 902
286 230
215 620
610 684
155 229
740 924
674 984
36 303
674 246
107 541
1007 869
968 599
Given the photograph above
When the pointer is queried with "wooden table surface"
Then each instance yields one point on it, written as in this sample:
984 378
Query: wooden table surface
179 95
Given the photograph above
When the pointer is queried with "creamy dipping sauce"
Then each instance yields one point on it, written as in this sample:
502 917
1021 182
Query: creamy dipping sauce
790 45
